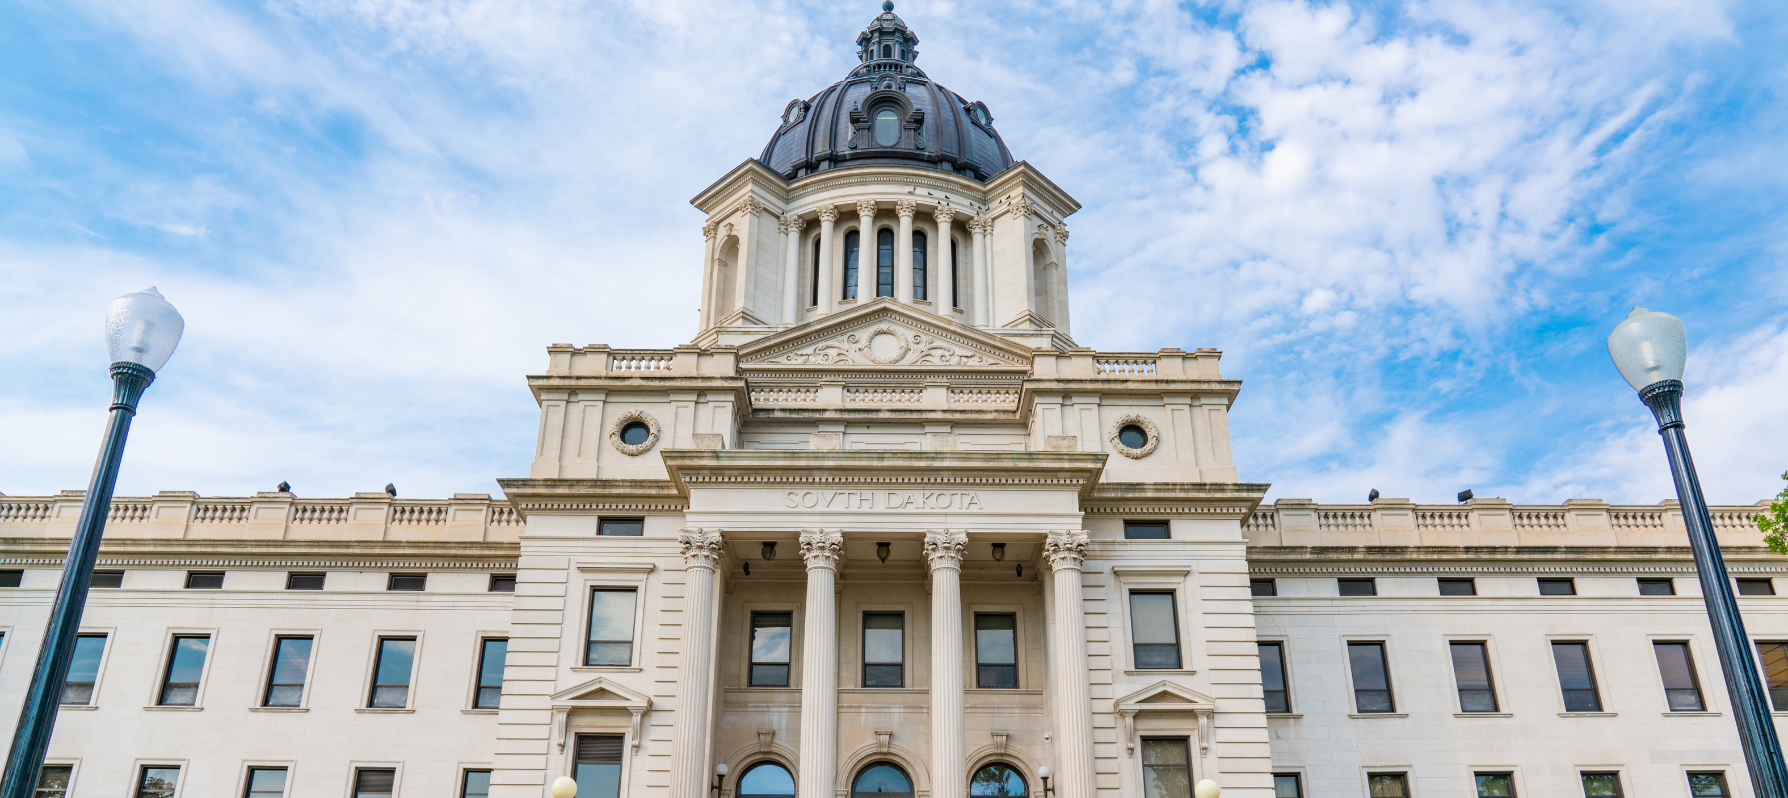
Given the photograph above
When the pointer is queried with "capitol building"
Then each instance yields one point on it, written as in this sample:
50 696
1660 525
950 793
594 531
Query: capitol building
884 529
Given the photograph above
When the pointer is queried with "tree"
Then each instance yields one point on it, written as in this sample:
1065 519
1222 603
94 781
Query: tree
1774 522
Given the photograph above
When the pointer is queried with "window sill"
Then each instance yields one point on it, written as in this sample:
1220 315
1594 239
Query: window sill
1378 714
383 711
1483 714
1162 671
478 712
603 669
173 709
91 707
1284 715
1691 714
1588 714
279 709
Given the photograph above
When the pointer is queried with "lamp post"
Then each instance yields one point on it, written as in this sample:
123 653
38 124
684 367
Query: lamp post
1650 349
142 330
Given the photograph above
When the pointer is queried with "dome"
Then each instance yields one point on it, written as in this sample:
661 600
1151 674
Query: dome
887 112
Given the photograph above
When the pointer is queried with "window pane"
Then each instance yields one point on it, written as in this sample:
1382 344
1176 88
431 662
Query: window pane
882 638
1145 530
1357 587
768 778
770 632
305 581
181 687
1681 689
1601 785
1286 785
919 248
1707 785
887 128
291 658
1575 677
1558 587
204 580
1272 677
884 263
852 246
1166 768
882 778
106 579
490 674
477 784
407 582
158 782
621 527
1775 671
1496 785
1657 587
1756 587
1388 785
1458 587
502 583
1471 668
266 782
1371 679
391 675
375 783
611 627
83 669
1151 618
996 650
998 779
1263 587
52 781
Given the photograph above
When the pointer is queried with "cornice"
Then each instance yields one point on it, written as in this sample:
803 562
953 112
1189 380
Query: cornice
577 495
1497 560
433 556
1074 470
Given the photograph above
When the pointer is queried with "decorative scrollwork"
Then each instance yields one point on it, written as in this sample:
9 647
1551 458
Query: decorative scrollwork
1148 427
822 548
636 449
1065 548
701 547
944 548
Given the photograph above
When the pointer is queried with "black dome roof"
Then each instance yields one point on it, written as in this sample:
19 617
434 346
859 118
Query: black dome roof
849 124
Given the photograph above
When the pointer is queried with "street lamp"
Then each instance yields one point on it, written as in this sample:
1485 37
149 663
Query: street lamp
564 787
142 330
1650 349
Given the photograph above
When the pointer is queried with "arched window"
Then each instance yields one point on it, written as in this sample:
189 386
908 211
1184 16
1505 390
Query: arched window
813 285
955 278
919 273
882 780
884 263
1042 295
887 128
887 51
998 778
766 779
852 243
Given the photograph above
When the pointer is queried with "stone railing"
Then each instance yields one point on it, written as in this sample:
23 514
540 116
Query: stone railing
1167 364
270 516
884 396
600 360
785 396
1130 366
1489 522
984 397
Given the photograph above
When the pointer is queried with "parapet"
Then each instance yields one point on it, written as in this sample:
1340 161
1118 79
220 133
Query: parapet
270 516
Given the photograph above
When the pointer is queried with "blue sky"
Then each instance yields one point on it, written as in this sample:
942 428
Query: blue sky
1409 226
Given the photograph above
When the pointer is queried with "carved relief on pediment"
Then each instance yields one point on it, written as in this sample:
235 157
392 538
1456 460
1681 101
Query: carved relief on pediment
884 345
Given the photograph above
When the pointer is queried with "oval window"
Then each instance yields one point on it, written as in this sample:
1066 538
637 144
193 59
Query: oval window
766 778
887 128
882 780
635 433
998 778
1133 436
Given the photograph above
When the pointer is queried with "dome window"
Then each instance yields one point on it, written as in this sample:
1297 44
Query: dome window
887 51
887 128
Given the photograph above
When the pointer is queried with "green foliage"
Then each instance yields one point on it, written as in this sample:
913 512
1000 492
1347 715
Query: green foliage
1774 522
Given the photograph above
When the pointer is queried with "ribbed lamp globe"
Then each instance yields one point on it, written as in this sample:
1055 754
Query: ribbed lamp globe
564 787
1649 347
142 328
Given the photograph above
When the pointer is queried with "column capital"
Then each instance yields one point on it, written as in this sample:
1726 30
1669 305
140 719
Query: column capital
865 207
748 206
790 223
944 214
1065 549
905 208
709 229
822 548
980 224
828 213
944 547
1021 207
1061 235
701 547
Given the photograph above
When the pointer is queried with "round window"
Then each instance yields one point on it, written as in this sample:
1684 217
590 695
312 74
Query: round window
636 433
1132 436
887 128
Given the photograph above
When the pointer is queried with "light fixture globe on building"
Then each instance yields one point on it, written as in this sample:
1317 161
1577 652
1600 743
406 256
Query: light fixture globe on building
1649 347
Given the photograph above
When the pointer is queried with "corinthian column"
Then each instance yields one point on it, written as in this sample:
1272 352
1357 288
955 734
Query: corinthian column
943 550
791 226
942 280
707 272
866 253
822 549
1064 550
695 676
903 251
828 301
978 226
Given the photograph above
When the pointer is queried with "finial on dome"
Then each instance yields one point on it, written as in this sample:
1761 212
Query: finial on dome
887 5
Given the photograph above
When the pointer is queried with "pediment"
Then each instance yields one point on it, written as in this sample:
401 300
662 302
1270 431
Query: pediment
1166 695
884 335
600 691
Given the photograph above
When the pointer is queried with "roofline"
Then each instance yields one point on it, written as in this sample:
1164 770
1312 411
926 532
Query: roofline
747 165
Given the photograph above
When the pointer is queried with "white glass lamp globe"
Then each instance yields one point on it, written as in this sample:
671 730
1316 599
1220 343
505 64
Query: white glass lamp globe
1649 347
720 769
1043 772
1206 788
564 787
142 328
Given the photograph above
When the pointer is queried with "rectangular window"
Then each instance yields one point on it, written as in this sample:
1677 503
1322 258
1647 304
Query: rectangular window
1371 678
477 784
1166 767
1263 587
204 580
11 577
391 673
1145 530
107 580
186 665
1682 691
52 781
884 649
1496 785
996 649
1287 785
490 673
83 669
374 782
1155 631
502 583
1458 587
621 527
1357 587
1708 784
291 661
1775 673
1272 677
852 244
158 781
770 639
1657 587
1471 668
304 581
1576 676
1388 785
1601 785
407 582
598 773
266 782
611 627
1756 587
1558 587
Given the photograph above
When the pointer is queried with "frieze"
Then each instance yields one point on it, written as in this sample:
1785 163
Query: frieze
881 343
882 500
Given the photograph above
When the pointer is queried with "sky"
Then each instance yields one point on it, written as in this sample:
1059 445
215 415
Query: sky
1409 226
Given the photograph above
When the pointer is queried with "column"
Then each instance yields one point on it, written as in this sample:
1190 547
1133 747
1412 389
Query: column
865 251
983 282
823 549
1059 313
790 225
943 550
903 251
695 674
942 281
1064 551
828 301
708 272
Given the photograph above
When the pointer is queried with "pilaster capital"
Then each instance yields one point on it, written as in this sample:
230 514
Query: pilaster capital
822 548
709 228
980 224
1061 235
905 208
701 547
944 547
749 206
1065 549
828 213
1021 207
865 207
790 223
944 214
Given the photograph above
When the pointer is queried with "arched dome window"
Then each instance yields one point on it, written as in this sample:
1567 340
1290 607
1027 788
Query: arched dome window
813 284
887 128
919 273
853 244
884 263
887 51
955 279
766 779
882 780
998 778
